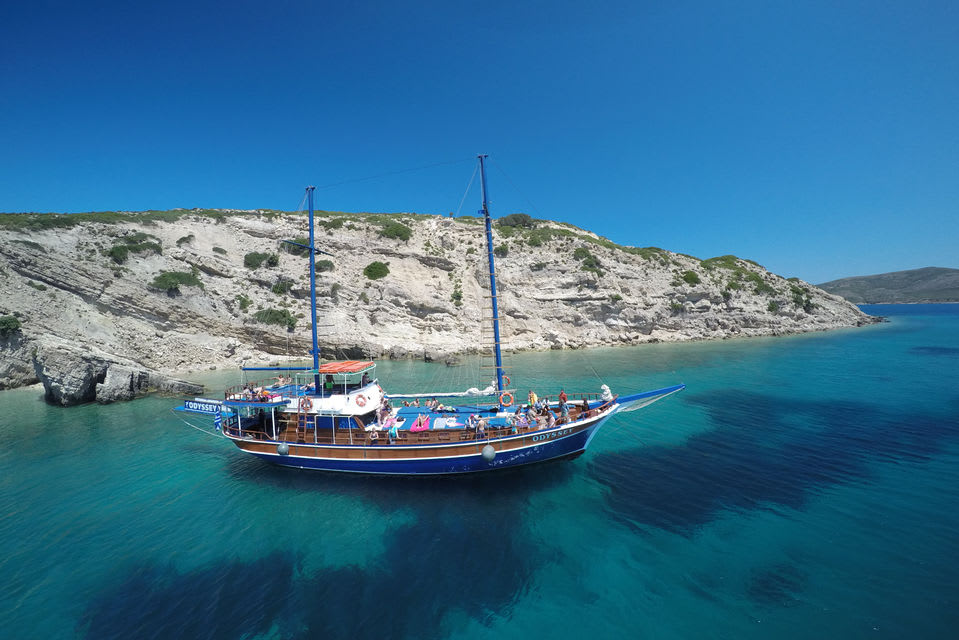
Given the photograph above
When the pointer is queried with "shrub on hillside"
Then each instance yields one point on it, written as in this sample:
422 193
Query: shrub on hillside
280 317
9 325
396 230
171 281
255 259
376 270
516 220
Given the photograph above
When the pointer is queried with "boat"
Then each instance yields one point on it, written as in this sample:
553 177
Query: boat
335 416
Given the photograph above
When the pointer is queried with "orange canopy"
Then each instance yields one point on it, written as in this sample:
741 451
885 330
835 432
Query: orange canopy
346 366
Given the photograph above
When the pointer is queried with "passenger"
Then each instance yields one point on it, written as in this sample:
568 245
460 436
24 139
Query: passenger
531 415
366 379
416 402
374 437
471 422
406 403
550 419
585 413
563 411
532 397
422 423
562 396
481 429
394 432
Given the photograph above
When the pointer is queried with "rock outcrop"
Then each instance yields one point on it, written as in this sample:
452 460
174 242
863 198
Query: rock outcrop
177 291
16 367
71 376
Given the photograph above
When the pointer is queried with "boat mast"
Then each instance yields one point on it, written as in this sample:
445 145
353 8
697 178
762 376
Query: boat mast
315 350
492 276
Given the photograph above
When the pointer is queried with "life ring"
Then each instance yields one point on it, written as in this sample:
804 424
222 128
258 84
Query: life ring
361 400
503 399
506 379
305 404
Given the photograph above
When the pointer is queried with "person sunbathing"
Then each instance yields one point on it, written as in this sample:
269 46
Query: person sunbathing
422 423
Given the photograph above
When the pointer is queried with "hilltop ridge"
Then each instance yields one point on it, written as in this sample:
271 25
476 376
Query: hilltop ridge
929 284
194 289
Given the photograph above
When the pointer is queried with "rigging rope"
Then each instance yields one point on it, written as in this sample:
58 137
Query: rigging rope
391 173
468 187
206 431
513 184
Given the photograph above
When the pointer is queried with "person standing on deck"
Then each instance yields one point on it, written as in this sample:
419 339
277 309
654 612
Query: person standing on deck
562 396
532 398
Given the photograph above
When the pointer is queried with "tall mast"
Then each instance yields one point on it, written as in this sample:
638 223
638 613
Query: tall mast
315 351
492 277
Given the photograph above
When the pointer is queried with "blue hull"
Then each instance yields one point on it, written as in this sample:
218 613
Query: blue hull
559 448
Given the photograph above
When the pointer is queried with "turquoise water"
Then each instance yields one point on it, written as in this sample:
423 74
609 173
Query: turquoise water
801 487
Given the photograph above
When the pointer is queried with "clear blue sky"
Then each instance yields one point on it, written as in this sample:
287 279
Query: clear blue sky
820 139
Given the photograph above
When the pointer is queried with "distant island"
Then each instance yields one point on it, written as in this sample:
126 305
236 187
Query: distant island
929 284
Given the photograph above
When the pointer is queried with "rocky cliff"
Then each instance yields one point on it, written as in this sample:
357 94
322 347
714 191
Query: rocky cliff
161 292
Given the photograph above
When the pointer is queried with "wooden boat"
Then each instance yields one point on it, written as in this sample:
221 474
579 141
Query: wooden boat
336 417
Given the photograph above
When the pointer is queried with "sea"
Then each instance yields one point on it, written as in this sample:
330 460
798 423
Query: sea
800 487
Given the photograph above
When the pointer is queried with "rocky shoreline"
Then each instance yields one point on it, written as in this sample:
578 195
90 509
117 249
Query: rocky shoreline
112 307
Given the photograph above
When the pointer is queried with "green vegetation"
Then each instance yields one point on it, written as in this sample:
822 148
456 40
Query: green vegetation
243 301
185 240
138 242
282 287
537 266
739 273
457 296
772 307
280 317
399 231
691 277
324 265
516 220
676 307
615 297
501 251
9 325
800 298
590 262
365 299
26 222
171 281
37 285
219 250
376 270
331 224
761 286
297 250
255 259
335 290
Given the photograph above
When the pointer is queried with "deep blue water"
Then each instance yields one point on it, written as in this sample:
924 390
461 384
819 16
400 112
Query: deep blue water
802 487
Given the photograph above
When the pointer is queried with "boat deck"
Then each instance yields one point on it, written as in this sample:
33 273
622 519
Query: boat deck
294 428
